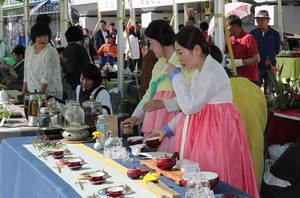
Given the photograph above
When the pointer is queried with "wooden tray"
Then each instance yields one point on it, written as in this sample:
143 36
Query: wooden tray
173 174
87 139
162 190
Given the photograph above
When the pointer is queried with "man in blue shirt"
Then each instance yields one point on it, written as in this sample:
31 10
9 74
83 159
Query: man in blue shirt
21 37
268 42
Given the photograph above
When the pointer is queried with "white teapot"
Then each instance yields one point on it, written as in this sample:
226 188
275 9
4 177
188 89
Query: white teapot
3 96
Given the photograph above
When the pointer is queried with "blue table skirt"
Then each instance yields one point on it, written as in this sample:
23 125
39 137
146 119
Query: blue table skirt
24 175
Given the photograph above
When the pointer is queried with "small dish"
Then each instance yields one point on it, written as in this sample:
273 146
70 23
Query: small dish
96 182
127 190
87 175
136 149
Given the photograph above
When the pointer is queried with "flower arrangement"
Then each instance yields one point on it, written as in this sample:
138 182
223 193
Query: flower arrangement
151 177
96 134
43 142
286 95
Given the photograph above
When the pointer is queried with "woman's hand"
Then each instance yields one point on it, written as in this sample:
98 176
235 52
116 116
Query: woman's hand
157 133
129 121
170 68
153 105
6 66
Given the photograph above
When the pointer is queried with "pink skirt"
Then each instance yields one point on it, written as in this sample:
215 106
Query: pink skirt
158 119
217 140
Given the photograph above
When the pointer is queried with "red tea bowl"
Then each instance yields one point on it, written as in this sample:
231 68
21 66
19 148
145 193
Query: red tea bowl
212 177
152 142
75 164
59 153
144 171
115 191
98 176
186 177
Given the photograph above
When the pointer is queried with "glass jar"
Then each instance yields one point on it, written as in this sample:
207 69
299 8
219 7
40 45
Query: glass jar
91 109
112 147
74 114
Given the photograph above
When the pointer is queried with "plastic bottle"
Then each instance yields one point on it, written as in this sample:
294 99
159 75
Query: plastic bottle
101 124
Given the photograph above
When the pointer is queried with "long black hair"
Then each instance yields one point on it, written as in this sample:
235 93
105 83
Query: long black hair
92 72
161 31
190 36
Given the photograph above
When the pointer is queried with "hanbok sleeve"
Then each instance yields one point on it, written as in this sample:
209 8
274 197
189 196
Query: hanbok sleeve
203 89
171 105
170 128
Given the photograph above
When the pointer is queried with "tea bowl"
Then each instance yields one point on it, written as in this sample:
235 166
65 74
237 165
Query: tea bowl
152 142
115 191
58 153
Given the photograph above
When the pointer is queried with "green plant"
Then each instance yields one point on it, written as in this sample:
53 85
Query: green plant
287 95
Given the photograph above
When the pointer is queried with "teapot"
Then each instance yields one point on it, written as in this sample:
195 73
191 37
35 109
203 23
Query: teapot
165 162
3 96
134 173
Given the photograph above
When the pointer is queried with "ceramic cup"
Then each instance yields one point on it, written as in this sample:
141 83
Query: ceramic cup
59 153
144 171
115 191
75 162
99 176
152 142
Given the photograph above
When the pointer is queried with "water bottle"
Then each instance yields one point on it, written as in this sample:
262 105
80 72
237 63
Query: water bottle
101 124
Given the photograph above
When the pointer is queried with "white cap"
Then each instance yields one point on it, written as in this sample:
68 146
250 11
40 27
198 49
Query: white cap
100 117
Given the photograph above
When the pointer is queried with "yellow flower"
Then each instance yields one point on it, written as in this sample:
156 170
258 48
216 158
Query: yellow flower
96 134
153 177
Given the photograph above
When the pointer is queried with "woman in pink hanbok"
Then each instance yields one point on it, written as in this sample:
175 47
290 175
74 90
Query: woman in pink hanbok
209 130
159 105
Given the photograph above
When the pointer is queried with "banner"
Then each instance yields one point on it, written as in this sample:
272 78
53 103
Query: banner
207 7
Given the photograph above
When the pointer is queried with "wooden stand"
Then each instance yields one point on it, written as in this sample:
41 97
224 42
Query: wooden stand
173 174
162 190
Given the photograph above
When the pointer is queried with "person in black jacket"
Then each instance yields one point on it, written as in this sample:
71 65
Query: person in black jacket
99 38
76 55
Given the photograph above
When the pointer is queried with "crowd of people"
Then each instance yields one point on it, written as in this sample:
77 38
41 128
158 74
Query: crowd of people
189 101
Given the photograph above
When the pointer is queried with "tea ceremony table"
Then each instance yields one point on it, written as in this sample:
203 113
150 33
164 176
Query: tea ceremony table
16 127
291 67
283 126
24 174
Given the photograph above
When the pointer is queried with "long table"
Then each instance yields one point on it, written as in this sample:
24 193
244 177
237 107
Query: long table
18 126
283 126
291 67
24 175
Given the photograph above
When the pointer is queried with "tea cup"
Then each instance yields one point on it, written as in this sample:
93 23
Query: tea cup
59 153
115 191
75 164
98 176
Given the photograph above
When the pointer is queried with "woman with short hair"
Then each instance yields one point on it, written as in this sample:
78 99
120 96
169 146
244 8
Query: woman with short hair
42 67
